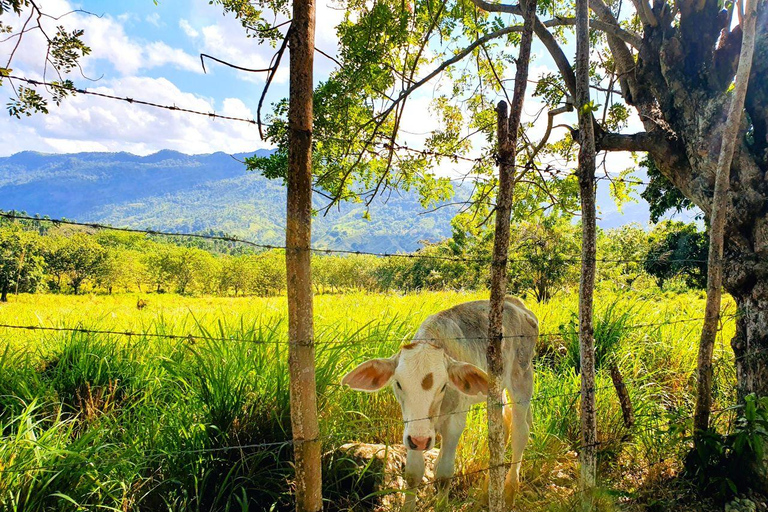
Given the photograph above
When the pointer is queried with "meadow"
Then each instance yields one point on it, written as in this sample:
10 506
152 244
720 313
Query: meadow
148 422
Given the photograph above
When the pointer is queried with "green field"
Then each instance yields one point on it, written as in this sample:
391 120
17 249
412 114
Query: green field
152 423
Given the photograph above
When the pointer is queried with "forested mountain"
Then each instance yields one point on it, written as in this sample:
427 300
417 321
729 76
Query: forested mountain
177 192
173 191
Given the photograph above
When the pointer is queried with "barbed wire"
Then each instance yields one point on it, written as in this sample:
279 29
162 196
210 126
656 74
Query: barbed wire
62 87
348 342
317 250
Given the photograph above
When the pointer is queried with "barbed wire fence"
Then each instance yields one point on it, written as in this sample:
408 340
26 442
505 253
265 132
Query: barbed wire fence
349 342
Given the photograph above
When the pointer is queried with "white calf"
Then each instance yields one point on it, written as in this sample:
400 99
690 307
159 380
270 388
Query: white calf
438 376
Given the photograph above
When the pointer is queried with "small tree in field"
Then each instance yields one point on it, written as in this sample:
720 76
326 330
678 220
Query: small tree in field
677 249
84 257
543 257
621 251
21 265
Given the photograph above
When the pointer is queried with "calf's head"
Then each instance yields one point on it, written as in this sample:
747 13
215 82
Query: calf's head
419 375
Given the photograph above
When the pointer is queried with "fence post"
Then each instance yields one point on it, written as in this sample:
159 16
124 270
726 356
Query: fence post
717 223
496 446
507 129
586 174
301 356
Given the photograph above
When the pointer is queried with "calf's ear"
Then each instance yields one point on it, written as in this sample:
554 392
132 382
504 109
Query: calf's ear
467 378
371 375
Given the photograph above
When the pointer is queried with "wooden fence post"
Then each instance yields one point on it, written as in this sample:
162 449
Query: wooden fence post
507 129
301 357
496 446
717 222
586 174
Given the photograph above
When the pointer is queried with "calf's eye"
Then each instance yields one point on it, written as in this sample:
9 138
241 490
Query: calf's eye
443 388
399 386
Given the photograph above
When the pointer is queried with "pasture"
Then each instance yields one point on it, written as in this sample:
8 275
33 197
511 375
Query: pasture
155 423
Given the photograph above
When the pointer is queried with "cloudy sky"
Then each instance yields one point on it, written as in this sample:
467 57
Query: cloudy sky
149 51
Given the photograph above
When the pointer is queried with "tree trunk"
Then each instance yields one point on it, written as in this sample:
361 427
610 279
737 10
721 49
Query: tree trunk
586 174
303 393
746 279
507 128
717 224
4 292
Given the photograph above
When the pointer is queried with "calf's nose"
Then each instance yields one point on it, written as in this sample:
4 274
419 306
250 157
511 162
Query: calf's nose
419 443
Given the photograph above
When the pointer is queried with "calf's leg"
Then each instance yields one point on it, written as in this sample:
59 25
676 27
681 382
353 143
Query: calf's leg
519 437
450 433
414 473
520 387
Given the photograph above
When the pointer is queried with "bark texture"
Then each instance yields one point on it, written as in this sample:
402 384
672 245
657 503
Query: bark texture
586 174
717 222
304 423
621 392
507 126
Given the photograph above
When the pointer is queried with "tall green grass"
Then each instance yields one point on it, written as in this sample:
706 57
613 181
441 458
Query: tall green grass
144 423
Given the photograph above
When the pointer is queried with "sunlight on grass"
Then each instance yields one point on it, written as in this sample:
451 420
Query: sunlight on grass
155 423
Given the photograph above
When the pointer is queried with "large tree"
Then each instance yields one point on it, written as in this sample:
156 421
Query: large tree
672 62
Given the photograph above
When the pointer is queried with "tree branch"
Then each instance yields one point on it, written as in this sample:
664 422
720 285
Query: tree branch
643 9
602 25
641 141
204 56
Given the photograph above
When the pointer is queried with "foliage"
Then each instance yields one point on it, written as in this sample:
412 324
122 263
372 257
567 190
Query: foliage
545 257
64 50
661 195
612 326
543 261
678 249
21 264
78 257
718 462
626 249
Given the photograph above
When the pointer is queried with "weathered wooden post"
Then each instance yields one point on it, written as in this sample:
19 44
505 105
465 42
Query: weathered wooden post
586 174
495 328
717 221
301 358
507 128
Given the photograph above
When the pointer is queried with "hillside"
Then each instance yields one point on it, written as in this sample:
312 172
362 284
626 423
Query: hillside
173 191
177 192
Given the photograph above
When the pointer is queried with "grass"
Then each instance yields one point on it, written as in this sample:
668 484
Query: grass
144 423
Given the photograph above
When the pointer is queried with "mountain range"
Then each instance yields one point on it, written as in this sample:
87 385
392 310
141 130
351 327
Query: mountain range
173 191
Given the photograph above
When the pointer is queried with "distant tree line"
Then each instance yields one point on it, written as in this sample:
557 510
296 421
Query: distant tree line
35 257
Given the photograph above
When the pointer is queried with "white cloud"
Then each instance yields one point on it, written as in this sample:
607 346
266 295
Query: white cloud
159 54
188 29
154 19
87 123
107 39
